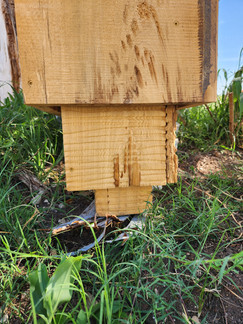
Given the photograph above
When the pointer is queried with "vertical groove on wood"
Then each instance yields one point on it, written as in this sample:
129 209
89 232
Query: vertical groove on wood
171 157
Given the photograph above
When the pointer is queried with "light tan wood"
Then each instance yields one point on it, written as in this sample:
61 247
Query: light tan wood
171 157
119 52
108 147
122 201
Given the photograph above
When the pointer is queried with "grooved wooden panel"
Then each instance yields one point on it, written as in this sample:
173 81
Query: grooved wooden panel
117 51
122 201
108 147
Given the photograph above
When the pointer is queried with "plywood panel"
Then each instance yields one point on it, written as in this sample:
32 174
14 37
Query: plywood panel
119 52
122 201
108 147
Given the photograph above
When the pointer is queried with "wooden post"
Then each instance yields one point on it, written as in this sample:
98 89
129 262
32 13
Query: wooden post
9 57
118 151
118 72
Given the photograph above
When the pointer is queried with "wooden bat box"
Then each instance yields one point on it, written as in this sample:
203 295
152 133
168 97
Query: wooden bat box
118 70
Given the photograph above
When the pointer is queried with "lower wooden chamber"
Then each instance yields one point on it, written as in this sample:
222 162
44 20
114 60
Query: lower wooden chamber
120 152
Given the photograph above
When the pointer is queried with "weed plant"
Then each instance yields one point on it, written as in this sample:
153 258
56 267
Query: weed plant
166 272
28 137
207 126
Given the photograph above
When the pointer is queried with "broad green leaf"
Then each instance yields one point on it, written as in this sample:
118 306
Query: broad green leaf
241 104
237 88
43 277
59 289
82 317
238 73
36 293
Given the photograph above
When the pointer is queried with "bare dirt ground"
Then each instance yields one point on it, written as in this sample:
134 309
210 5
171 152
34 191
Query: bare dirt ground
225 163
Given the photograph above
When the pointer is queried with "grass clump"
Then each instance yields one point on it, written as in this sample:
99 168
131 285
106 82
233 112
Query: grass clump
28 137
185 257
207 126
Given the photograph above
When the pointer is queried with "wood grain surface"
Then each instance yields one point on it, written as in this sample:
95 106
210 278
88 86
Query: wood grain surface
109 147
171 157
122 201
117 51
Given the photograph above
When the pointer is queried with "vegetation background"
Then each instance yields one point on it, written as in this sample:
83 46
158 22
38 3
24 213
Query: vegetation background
183 266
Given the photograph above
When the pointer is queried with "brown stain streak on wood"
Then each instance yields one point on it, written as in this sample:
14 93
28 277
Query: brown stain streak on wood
136 91
8 13
150 60
138 76
167 82
147 11
116 171
114 90
129 40
137 52
134 174
134 26
156 21
144 10
115 59
123 45
125 161
125 13
98 91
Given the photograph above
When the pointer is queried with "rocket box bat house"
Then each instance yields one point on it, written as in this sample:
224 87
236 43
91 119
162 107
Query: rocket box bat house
118 70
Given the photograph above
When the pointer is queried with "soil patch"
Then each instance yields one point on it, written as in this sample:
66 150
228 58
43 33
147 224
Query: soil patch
198 164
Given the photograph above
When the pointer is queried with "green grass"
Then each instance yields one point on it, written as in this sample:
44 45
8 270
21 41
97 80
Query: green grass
207 126
166 271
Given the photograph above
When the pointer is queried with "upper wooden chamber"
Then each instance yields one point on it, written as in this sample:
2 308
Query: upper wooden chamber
117 51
